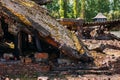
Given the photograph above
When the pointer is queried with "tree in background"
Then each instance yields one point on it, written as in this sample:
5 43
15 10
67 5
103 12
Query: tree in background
113 15
70 10
91 9
75 8
53 8
115 5
60 9
103 6
63 8
86 9
115 10
82 15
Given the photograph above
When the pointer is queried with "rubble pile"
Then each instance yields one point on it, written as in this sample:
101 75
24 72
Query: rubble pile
110 47
116 65
35 28
103 51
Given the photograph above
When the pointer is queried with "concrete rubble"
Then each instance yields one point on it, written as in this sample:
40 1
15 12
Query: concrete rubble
62 55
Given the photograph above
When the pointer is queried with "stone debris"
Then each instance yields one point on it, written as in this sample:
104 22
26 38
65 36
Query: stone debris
116 65
94 77
109 47
30 18
42 78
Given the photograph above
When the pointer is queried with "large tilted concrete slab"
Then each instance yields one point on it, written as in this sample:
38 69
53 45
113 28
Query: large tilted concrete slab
34 17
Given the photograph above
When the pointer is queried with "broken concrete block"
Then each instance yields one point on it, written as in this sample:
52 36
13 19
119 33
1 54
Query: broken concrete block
62 61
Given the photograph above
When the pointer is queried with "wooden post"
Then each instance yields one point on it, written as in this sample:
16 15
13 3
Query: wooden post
17 42
16 50
37 41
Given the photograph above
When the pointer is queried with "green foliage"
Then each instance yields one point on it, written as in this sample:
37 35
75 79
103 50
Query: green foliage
53 8
70 12
75 8
96 6
115 5
61 10
82 15
65 7
86 9
103 6
90 10
113 15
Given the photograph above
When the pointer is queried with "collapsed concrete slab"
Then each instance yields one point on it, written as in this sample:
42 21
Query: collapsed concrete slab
30 17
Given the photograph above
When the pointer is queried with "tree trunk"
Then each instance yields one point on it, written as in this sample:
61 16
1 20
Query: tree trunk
82 9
